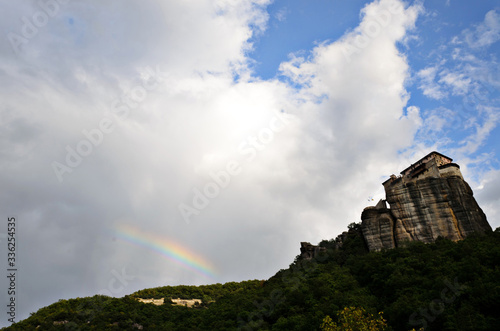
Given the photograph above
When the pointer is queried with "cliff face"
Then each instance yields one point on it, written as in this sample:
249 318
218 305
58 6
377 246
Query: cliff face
429 200
377 224
309 251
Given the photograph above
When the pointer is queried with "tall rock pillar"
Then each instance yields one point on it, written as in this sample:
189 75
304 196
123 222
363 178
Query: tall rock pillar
429 199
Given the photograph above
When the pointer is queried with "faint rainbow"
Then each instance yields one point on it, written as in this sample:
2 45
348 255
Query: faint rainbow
166 248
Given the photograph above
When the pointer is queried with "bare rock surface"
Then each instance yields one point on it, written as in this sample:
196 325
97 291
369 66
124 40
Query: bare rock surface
429 199
309 251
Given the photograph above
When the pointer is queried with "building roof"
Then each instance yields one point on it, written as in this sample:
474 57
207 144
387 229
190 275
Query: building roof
419 161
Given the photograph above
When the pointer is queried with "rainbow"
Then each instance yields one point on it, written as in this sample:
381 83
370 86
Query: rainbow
166 248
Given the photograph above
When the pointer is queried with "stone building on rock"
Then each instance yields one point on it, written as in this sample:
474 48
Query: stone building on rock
429 199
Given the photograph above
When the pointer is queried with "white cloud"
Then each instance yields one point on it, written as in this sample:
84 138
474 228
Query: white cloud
413 114
468 81
485 33
438 120
281 14
428 83
490 120
459 83
467 71
488 196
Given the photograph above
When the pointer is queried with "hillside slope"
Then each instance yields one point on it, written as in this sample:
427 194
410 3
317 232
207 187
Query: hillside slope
444 285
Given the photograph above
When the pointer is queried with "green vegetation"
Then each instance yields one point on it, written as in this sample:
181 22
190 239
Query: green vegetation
441 286
354 319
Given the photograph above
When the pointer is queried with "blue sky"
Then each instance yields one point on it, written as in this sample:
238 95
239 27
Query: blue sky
296 26
233 128
441 31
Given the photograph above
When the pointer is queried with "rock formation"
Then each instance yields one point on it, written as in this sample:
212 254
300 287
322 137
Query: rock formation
429 199
309 251
157 302
190 303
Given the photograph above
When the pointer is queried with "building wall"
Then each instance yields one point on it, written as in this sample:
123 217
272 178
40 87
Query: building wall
440 160
450 170
429 161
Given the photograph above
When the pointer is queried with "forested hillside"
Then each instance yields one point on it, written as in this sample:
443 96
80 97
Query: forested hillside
441 286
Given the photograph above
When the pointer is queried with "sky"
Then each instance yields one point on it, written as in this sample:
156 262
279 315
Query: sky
155 143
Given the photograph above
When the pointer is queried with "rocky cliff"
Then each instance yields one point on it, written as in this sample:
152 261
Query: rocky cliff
309 251
429 199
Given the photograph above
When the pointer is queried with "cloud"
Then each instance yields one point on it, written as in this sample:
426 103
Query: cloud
149 105
468 82
281 14
428 84
482 131
90 63
488 196
172 79
485 33
436 121
358 107
459 83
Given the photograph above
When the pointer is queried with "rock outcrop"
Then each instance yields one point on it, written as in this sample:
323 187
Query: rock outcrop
157 302
190 303
430 199
179 302
309 251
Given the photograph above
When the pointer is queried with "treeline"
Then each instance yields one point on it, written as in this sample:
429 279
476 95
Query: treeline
207 293
441 286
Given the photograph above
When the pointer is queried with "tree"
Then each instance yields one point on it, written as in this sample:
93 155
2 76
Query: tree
354 319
